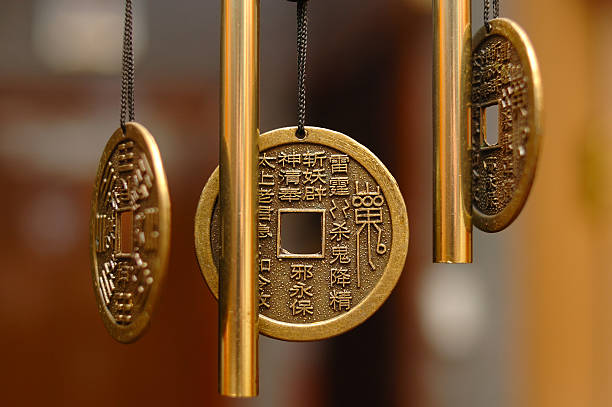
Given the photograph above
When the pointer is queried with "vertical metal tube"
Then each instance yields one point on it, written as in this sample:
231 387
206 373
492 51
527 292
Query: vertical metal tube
452 71
239 133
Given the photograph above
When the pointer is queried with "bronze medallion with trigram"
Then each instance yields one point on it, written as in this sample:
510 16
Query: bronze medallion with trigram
129 231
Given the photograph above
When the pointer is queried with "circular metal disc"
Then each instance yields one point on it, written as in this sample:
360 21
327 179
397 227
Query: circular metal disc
505 75
334 193
129 231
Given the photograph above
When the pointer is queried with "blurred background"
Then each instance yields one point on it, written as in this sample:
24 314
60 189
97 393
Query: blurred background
529 323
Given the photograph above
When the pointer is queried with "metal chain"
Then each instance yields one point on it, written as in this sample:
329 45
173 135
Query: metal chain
302 43
486 8
127 74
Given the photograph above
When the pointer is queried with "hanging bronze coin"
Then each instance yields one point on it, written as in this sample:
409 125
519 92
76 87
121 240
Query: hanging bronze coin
129 231
332 229
505 82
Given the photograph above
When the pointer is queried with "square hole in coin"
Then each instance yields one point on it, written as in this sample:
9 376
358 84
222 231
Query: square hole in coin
301 233
490 124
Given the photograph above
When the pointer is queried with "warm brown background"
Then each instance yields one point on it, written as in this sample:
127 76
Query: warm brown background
528 324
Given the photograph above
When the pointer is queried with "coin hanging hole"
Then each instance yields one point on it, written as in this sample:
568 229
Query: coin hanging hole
491 124
300 133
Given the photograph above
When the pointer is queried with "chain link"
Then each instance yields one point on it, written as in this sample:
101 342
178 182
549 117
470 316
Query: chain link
302 44
127 69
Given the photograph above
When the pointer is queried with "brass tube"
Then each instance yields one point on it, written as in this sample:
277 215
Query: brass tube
239 133
452 70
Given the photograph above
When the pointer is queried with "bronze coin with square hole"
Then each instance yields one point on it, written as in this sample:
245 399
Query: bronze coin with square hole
129 231
332 234
506 115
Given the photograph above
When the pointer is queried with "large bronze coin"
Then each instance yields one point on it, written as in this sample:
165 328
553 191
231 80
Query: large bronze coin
506 82
333 234
129 231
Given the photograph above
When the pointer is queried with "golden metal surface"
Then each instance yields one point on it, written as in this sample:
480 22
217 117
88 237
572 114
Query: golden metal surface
362 221
239 131
452 166
505 74
129 231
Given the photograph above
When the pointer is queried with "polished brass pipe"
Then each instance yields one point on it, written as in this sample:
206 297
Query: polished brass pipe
239 133
452 70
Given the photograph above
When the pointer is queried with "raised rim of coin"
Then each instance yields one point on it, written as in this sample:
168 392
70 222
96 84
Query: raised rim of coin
141 136
380 292
519 40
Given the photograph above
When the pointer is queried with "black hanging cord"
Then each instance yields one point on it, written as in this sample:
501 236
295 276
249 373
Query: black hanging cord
127 74
486 12
302 44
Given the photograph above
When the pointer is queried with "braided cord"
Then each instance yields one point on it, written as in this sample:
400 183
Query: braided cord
127 69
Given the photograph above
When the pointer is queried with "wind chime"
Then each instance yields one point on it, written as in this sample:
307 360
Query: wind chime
320 179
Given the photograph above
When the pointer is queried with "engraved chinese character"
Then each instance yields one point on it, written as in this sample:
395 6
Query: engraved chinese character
340 253
290 194
108 180
263 282
264 265
291 176
263 231
264 300
291 159
314 175
302 307
265 196
339 231
266 180
340 300
266 161
300 290
265 213
368 213
103 236
339 186
340 277
310 159
143 178
505 52
121 198
301 272
125 156
312 193
339 163
335 207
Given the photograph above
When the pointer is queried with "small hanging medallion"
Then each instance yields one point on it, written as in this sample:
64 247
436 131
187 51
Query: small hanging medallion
130 217
505 82
129 231
332 228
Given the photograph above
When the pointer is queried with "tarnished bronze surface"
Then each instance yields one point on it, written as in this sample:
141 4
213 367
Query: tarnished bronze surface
129 231
504 73
353 207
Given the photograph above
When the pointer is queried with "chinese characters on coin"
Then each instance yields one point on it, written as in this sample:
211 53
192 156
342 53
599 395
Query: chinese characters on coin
502 78
327 188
